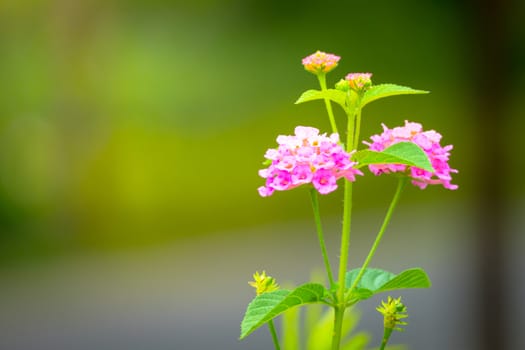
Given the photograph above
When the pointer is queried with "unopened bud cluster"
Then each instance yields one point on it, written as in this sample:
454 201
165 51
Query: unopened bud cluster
393 311
263 283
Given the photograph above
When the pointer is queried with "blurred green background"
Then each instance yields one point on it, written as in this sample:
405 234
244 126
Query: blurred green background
132 126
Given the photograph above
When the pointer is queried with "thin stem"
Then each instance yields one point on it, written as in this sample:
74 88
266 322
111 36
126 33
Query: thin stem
343 262
319 226
345 238
400 185
357 125
350 131
345 245
353 111
327 103
386 336
274 335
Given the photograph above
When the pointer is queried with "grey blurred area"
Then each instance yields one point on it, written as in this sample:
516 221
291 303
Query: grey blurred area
192 294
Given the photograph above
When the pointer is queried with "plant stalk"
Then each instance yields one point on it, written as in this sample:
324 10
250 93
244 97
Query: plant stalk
400 186
317 216
322 82
357 124
339 310
386 336
274 335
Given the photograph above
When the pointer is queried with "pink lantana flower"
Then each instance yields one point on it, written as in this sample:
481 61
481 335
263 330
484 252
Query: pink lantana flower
307 157
359 81
320 62
429 142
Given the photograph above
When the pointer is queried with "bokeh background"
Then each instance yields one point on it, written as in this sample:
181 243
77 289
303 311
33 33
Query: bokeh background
131 133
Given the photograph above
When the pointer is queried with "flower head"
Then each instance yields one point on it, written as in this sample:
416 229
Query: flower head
393 311
307 157
320 62
359 81
263 283
428 141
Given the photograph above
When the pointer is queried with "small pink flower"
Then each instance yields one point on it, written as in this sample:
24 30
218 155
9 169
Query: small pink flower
265 191
302 174
429 142
359 81
320 62
281 180
307 157
324 181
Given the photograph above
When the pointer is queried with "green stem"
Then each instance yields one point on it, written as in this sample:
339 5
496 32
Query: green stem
350 131
353 111
339 313
357 125
343 262
327 103
400 185
274 335
345 243
319 226
386 336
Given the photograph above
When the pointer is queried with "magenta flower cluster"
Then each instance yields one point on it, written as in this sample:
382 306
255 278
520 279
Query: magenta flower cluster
307 157
320 62
429 142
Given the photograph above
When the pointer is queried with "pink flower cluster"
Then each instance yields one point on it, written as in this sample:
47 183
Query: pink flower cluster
306 157
320 62
429 142
359 81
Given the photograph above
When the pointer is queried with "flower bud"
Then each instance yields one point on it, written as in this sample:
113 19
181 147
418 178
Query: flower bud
320 62
393 310
359 82
263 283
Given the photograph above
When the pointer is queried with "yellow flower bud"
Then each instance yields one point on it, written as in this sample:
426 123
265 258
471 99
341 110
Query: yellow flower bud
263 283
393 310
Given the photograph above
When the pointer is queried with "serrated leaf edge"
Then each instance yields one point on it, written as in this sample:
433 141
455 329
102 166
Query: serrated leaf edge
275 311
406 91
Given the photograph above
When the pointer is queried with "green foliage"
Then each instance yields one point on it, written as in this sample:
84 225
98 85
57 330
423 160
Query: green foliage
385 90
269 305
334 95
318 328
376 92
407 153
376 281
358 284
320 335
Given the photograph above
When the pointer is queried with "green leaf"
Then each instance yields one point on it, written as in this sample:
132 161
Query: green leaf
376 281
407 153
372 279
411 278
310 95
334 95
384 90
269 305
